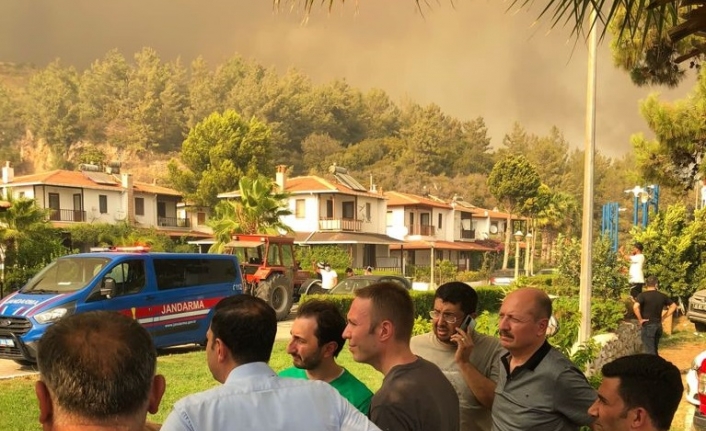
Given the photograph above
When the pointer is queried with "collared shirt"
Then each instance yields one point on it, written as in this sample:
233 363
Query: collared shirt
546 393
253 397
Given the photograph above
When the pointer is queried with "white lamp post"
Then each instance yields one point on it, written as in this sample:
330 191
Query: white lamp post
518 237
528 251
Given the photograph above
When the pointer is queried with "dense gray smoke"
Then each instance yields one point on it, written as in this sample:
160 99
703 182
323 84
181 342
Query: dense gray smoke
472 58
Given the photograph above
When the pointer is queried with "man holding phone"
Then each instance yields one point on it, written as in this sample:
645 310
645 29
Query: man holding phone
469 360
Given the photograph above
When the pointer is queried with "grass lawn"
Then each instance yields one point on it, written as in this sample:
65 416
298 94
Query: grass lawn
186 373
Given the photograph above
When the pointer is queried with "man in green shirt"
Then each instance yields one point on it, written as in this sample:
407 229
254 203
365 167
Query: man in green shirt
317 339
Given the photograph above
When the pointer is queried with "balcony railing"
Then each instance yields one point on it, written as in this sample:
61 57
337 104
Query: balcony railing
173 222
468 234
67 215
421 229
344 225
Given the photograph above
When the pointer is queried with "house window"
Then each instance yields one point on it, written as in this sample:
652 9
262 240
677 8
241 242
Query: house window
140 206
21 195
329 208
348 209
368 212
200 218
424 219
389 219
300 208
103 204
411 219
438 225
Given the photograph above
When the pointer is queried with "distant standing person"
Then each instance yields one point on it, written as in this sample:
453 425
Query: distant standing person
329 277
470 360
349 272
636 276
317 339
649 311
415 395
368 270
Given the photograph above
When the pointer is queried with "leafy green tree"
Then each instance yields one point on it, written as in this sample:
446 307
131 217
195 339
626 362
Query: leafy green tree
675 157
218 152
103 94
24 230
52 108
258 209
321 151
675 250
512 182
11 127
204 98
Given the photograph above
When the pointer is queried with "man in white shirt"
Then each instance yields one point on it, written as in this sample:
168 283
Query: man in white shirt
329 277
636 276
252 396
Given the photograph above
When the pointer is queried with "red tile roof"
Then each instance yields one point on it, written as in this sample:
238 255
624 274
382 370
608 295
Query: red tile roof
395 199
78 179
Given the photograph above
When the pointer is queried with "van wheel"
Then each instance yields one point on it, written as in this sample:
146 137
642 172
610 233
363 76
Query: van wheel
278 292
700 326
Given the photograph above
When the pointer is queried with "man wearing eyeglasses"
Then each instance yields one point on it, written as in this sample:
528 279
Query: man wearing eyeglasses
469 360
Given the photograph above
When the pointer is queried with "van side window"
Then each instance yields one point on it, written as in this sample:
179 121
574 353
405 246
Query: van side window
129 277
179 273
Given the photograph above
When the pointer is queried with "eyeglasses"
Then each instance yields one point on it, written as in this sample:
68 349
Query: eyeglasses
448 318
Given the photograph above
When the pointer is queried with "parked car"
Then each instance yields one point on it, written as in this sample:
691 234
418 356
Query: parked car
548 271
692 380
502 277
697 310
351 284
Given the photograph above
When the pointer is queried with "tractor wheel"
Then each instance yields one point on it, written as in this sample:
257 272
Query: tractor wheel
700 326
278 292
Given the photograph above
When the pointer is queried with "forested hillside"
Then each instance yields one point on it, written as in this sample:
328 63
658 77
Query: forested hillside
140 110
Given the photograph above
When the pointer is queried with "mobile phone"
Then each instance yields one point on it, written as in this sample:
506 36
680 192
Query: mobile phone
468 323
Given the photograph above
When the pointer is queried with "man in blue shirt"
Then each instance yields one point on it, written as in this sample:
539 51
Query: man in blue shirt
252 396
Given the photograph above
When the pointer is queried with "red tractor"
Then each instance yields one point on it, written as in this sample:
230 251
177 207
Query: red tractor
269 269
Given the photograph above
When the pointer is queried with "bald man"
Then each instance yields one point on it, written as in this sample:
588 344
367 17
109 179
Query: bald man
538 387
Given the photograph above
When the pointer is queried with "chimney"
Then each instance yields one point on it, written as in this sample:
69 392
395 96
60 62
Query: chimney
281 177
8 173
130 204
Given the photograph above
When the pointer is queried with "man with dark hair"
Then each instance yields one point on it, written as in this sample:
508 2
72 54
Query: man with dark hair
97 370
638 392
317 339
471 361
415 395
538 387
636 275
239 345
649 311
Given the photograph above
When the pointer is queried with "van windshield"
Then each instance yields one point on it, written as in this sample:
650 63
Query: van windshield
65 275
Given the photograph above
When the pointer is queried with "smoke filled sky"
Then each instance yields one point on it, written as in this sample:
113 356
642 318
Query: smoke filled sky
471 57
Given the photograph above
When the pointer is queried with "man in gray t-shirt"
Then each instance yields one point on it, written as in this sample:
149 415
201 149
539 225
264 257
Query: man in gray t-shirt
539 389
468 359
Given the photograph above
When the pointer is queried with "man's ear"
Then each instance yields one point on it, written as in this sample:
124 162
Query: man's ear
222 352
46 407
157 389
386 331
330 348
638 418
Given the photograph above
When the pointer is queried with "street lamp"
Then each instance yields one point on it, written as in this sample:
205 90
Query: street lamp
518 238
528 239
644 197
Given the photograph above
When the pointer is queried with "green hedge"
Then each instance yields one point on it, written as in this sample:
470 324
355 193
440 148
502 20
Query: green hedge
489 299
